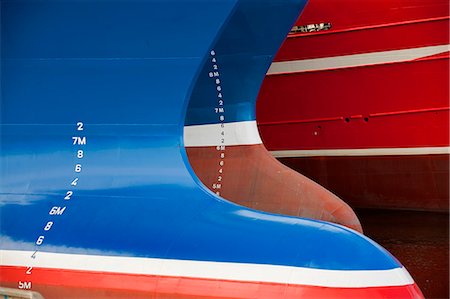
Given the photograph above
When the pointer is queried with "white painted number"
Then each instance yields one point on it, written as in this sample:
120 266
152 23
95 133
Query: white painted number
68 195
40 240
29 270
78 140
78 168
80 154
48 226
220 109
25 285
80 126
57 210
74 182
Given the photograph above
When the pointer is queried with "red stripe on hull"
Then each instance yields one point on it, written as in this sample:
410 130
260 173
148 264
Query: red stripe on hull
253 178
406 182
57 283
368 26
395 105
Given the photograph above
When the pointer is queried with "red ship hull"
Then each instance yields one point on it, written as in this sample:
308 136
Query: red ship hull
84 284
363 107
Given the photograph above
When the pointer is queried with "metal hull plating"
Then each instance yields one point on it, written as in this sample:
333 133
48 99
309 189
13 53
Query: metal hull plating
97 195
406 181
221 138
85 284
363 107
273 187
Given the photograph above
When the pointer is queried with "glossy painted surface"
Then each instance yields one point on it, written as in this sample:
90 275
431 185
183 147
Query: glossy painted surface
95 284
359 96
369 26
382 106
242 58
244 52
253 178
96 186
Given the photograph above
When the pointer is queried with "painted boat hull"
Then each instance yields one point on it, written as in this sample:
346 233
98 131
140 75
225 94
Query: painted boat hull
97 196
222 141
393 182
273 187
101 285
362 108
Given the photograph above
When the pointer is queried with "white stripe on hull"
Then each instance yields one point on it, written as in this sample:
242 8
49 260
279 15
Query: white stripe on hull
362 152
235 133
355 60
210 270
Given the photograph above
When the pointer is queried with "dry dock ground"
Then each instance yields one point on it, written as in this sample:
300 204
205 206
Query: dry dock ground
419 240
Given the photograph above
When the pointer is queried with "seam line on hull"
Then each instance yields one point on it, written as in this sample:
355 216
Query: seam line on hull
362 152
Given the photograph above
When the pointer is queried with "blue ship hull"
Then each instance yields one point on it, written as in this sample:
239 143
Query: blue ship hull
97 195
221 112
